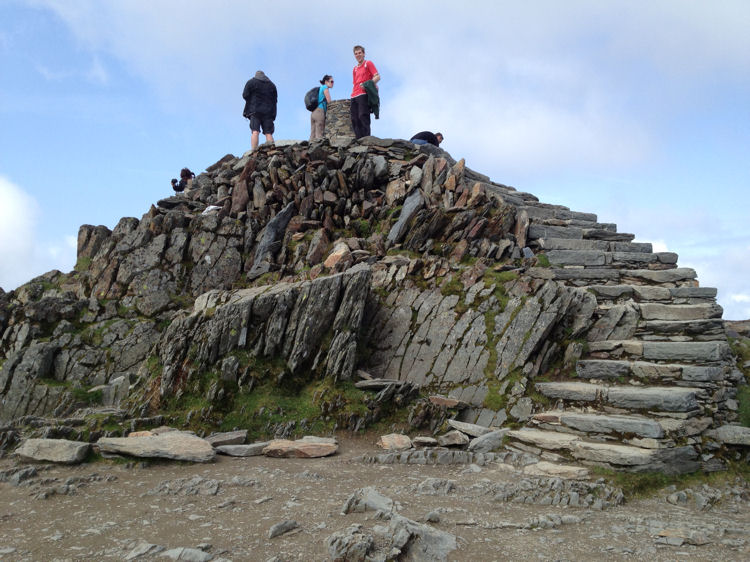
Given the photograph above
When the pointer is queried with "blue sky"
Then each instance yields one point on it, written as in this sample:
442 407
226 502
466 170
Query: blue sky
634 110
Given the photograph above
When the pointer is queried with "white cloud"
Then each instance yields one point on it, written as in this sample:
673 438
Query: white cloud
740 297
22 255
18 215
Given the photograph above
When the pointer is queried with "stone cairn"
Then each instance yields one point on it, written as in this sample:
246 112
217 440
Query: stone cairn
520 311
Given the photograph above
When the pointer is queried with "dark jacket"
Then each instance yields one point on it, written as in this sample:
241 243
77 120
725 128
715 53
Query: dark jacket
426 136
373 98
260 97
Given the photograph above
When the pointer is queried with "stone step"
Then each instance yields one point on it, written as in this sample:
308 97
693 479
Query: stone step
676 275
600 234
649 293
674 460
581 276
657 398
680 312
704 330
603 245
600 258
603 369
545 231
603 424
692 351
546 211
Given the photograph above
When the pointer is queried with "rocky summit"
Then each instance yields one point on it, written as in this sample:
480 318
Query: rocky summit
256 299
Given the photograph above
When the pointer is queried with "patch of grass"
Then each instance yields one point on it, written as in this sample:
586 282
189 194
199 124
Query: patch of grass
86 396
83 264
743 398
452 287
542 260
362 227
494 400
639 485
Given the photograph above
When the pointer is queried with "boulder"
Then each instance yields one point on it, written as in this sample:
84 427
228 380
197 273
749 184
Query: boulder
53 450
301 448
175 445
394 442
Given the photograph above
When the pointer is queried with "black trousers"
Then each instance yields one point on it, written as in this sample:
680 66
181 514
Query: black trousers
360 112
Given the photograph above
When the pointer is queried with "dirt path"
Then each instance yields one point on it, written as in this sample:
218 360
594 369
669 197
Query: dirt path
227 508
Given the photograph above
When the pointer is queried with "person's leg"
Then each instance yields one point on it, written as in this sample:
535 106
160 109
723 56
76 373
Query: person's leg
419 141
255 131
354 112
268 129
317 123
364 116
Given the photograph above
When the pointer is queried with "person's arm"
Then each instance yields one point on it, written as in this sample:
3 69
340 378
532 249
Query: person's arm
327 94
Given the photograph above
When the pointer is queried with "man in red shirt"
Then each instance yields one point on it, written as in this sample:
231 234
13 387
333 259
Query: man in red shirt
360 107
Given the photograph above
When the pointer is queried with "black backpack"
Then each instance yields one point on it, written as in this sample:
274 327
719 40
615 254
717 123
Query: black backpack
311 99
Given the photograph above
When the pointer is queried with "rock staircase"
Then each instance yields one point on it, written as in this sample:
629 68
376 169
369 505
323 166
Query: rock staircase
656 367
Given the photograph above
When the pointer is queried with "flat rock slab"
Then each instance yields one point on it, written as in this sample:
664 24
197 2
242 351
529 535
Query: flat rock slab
249 450
453 439
53 450
470 429
544 468
377 384
301 449
228 438
394 442
176 445
488 442
732 434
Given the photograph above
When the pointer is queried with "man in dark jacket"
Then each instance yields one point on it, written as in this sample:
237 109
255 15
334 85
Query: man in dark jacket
427 137
260 107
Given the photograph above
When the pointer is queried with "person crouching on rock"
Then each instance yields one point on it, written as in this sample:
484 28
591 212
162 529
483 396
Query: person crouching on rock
186 180
426 137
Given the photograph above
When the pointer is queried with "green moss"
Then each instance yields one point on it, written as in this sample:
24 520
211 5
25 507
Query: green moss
452 287
743 398
494 400
635 485
83 264
86 396
362 227
542 260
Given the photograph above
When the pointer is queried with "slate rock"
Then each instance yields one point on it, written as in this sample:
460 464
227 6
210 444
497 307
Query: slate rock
175 445
307 449
53 450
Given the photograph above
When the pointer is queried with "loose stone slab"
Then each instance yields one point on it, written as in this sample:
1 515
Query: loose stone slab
249 450
228 438
306 449
53 450
176 445
548 469
731 434
453 439
394 442
487 442
471 429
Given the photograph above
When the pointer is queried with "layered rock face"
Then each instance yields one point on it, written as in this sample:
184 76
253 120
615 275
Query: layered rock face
395 258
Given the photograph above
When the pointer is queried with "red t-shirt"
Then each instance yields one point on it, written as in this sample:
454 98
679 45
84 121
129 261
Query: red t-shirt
362 73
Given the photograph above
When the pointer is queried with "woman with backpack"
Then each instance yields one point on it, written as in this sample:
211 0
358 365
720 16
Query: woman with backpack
318 116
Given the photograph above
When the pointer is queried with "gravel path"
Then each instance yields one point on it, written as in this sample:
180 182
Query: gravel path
225 510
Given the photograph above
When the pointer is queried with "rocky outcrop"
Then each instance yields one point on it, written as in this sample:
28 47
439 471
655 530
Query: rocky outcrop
304 261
